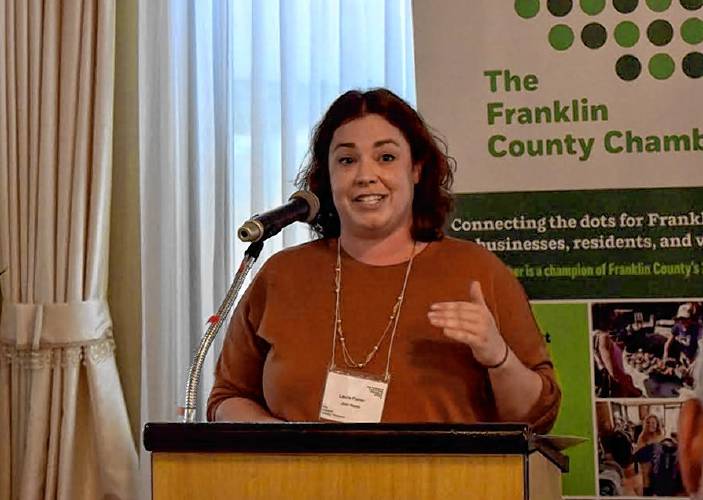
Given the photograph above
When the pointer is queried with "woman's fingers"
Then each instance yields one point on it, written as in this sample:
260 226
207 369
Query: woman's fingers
468 319
463 336
476 294
465 321
470 323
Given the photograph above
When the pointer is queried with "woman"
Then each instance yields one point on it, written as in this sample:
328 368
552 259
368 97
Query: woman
612 380
432 328
652 433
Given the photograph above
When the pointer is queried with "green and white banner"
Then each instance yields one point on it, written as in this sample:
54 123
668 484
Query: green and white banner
577 127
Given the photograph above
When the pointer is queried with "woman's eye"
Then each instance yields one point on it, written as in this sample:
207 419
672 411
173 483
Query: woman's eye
387 157
346 160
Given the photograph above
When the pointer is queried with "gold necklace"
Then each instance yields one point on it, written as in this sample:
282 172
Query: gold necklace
392 320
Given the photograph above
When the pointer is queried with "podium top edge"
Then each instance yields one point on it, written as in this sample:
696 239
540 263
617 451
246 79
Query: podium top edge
317 437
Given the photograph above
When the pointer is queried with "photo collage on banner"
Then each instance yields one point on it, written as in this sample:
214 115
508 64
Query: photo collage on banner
647 351
579 147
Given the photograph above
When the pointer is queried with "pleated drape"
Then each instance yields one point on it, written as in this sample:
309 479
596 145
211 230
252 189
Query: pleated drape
64 431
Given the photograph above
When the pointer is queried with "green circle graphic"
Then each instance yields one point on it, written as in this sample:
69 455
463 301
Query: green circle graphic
627 34
527 8
559 8
659 5
691 4
628 68
693 65
561 37
625 6
594 35
660 32
592 7
661 66
692 31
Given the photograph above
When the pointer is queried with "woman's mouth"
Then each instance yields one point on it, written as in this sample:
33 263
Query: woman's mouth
369 200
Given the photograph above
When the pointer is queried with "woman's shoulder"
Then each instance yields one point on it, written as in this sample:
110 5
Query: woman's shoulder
294 263
301 254
460 249
464 259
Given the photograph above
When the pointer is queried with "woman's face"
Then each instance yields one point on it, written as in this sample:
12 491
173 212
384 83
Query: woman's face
652 424
372 178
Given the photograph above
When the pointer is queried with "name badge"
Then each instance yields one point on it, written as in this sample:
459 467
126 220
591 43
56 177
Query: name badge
353 399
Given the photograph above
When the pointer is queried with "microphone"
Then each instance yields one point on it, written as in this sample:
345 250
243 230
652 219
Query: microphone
301 206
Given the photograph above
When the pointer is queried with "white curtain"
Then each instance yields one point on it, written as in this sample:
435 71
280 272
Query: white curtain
229 92
64 432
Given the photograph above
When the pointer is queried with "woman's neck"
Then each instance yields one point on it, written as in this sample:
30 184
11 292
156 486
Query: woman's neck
393 249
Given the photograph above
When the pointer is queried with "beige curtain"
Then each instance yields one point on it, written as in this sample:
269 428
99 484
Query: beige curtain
64 431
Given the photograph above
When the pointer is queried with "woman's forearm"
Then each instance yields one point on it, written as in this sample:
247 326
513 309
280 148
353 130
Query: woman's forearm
243 410
606 357
516 389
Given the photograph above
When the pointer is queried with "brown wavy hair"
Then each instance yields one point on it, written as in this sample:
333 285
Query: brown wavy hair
432 200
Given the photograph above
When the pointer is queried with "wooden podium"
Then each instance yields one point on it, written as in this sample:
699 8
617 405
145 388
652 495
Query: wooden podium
352 461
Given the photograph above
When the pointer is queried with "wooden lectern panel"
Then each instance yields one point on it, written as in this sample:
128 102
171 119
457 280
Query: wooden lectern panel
345 477
352 461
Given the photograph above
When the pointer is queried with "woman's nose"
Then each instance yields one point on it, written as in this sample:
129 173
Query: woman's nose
366 172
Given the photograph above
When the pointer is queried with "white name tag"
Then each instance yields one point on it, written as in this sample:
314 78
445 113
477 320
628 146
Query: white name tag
353 399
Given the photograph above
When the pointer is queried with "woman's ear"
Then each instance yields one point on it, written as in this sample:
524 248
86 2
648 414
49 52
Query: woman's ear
417 170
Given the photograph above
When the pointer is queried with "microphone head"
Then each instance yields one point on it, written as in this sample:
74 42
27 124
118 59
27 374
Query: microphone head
250 231
304 204
312 201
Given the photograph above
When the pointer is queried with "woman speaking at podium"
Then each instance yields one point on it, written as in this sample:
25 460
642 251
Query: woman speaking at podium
383 318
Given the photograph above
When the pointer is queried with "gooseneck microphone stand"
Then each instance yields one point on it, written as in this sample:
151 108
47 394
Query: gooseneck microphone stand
215 323
302 205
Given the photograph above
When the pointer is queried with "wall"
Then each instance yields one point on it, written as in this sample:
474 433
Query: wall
124 290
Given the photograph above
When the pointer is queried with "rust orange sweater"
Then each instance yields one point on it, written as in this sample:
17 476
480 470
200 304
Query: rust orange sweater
279 343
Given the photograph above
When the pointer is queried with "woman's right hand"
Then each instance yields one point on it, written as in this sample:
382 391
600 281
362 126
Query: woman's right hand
691 444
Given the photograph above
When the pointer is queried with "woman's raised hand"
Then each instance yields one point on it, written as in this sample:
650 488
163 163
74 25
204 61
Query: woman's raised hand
471 323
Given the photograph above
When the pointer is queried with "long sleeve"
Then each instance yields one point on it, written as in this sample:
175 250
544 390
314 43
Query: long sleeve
518 327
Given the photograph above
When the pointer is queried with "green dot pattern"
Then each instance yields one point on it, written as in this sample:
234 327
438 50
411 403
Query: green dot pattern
660 32
559 8
527 8
661 66
625 6
594 35
561 37
628 68
692 31
626 34
692 65
592 7
691 4
658 5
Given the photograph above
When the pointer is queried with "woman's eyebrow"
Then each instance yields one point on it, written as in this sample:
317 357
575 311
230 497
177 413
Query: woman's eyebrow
376 144
383 142
344 145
